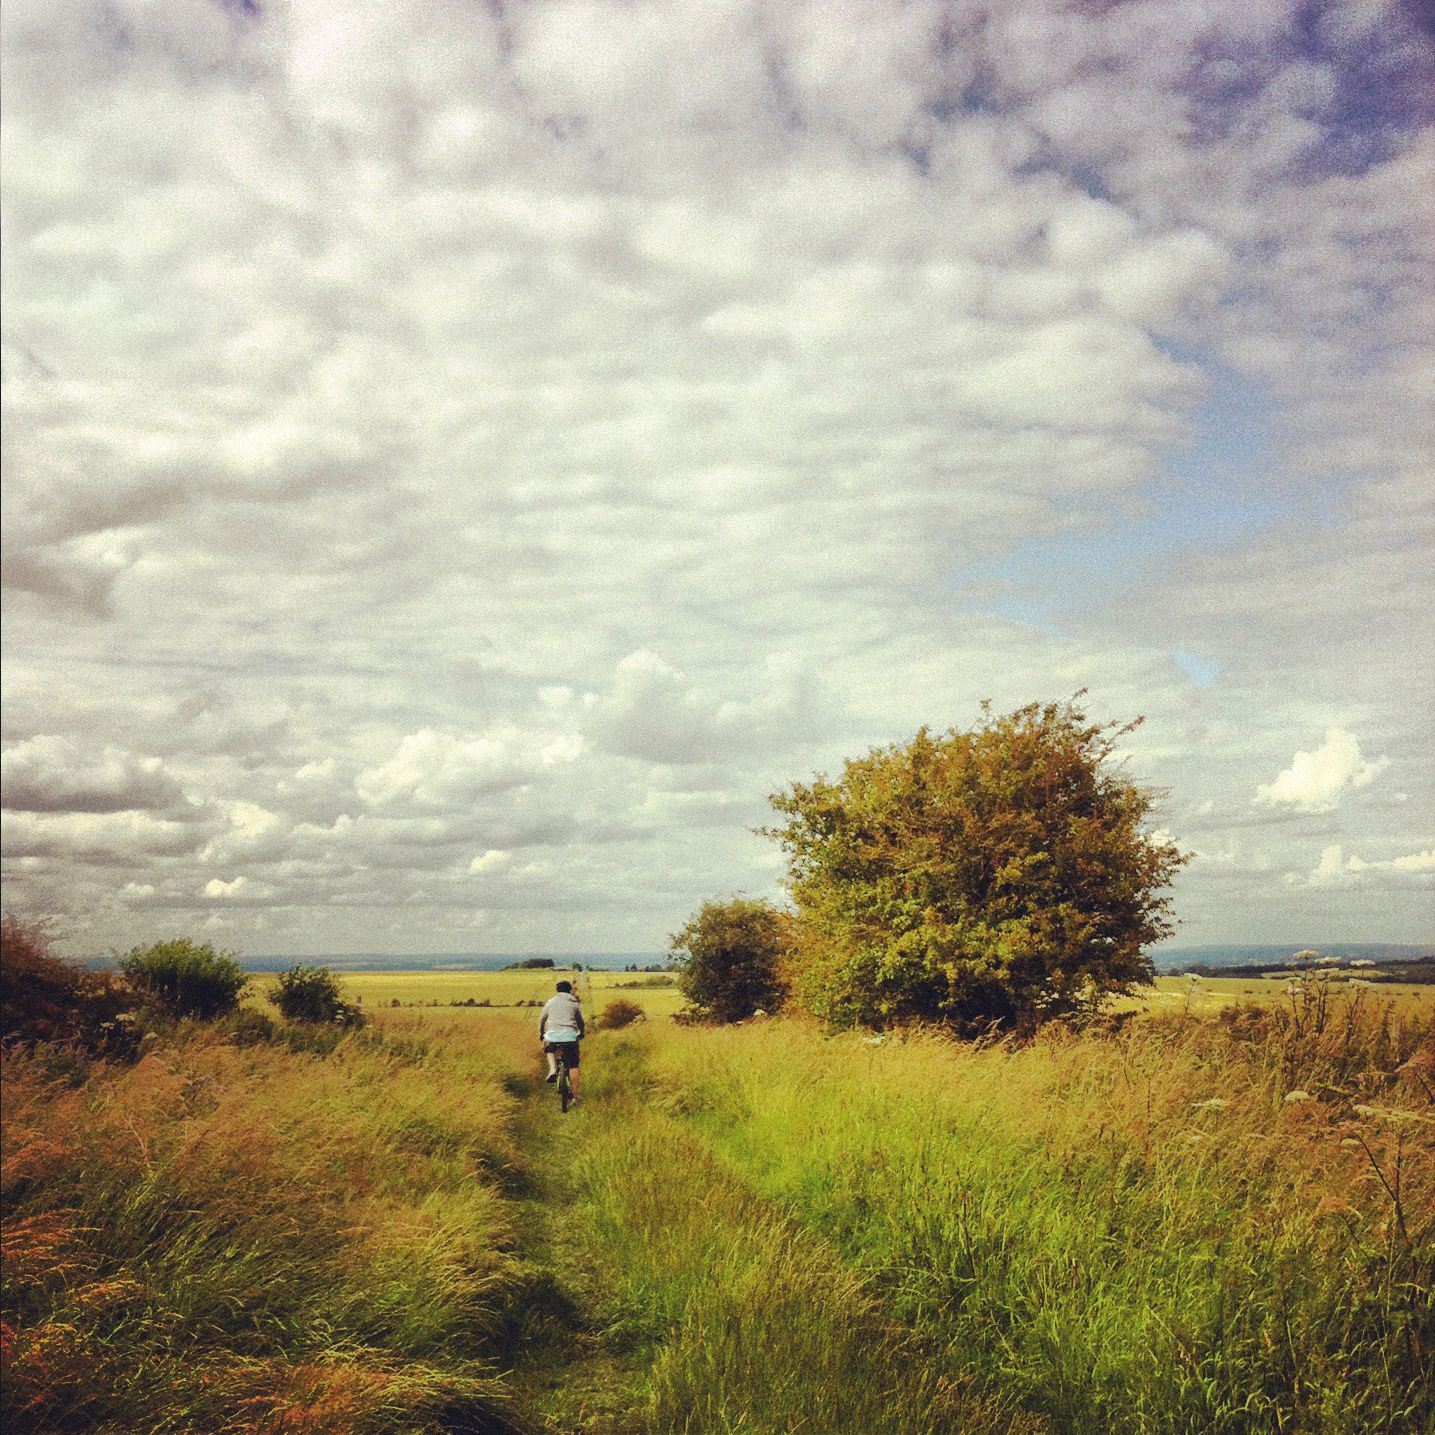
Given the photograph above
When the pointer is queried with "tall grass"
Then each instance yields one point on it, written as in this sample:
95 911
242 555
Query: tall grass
229 1239
1187 1226
742 1321
1190 1227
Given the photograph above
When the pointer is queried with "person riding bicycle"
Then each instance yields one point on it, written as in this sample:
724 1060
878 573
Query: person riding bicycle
560 1028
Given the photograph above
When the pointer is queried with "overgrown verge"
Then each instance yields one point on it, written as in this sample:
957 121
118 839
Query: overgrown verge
1224 1228
735 1318
250 1238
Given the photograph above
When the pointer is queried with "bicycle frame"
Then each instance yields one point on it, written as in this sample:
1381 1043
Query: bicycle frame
565 1084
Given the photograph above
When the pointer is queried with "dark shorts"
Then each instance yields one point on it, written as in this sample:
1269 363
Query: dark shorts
568 1048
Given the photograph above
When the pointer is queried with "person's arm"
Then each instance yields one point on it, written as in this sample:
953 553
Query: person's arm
578 1020
542 1021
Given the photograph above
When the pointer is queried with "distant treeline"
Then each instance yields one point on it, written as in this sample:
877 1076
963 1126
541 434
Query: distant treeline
1225 958
1419 971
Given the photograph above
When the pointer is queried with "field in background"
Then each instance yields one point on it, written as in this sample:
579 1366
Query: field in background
501 990
521 988
1210 994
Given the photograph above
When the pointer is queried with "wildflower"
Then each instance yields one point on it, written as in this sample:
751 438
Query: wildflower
1297 1095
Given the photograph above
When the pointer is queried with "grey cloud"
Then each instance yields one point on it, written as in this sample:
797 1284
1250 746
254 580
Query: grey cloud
126 840
51 774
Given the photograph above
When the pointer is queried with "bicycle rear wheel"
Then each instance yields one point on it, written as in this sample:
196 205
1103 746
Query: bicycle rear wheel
565 1086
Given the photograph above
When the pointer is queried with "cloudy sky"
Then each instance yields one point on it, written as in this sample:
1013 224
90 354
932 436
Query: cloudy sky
461 455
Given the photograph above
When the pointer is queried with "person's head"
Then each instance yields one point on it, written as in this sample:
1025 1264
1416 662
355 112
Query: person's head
565 986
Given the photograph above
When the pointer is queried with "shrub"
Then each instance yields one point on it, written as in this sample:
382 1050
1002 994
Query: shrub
43 999
310 994
185 979
619 1013
729 957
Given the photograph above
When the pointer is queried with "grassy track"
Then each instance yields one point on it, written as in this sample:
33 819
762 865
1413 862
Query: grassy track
707 1310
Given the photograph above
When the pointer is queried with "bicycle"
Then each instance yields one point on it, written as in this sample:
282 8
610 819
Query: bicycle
565 1084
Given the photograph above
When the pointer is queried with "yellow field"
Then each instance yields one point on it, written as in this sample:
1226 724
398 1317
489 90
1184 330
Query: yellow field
501 990
1210 994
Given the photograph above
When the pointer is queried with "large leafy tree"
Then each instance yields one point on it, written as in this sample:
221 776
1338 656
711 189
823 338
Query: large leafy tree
978 877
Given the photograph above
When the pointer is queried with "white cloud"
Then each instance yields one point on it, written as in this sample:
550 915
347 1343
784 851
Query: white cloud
438 769
432 431
216 888
490 860
1337 870
1317 781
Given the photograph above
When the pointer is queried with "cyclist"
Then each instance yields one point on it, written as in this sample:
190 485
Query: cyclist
560 1028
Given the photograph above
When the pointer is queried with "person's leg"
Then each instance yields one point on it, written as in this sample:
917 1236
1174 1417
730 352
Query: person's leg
573 1079
552 1065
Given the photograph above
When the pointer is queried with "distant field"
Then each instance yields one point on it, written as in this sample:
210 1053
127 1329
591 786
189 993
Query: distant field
1212 993
506 990
502 990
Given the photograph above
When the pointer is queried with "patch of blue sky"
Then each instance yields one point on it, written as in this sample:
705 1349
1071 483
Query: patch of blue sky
1210 496
1201 671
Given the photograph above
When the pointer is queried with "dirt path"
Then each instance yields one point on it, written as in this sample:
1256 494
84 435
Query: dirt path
569 1375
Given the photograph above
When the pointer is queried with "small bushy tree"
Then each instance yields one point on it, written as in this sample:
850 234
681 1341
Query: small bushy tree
729 958
44 999
993 876
186 979
311 994
619 1012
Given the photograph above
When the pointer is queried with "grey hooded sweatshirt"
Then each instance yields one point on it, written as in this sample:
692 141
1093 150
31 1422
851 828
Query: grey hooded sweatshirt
562 1018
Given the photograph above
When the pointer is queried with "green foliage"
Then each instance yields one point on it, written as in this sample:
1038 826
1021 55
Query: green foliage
992 876
44 999
186 979
530 964
311 994
729 958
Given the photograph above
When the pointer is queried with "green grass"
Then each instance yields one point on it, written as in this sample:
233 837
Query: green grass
217 1239
1125 1235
